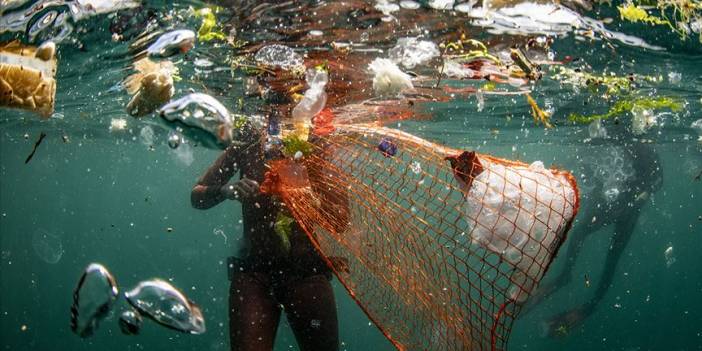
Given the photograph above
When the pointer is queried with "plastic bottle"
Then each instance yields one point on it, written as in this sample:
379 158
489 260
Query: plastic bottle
312 103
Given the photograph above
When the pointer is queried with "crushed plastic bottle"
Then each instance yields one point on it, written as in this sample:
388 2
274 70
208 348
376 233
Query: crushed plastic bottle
312 103
411 52
204 112
278 56
166 305
172 43
93 299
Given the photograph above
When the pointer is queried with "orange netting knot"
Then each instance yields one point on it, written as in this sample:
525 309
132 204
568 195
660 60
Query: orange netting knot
283 176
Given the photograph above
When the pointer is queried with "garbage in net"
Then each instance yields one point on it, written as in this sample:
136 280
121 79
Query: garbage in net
440 247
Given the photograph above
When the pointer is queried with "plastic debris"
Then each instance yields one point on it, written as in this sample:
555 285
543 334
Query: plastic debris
386 7
278 56
93 299
27 77
312 103
410 5
642 120
203 111
596 130
441 4
151 86
387 147
118 124
410 52
509 211
388 79
166 305
48 246
130 322
172 43
465 7
669 256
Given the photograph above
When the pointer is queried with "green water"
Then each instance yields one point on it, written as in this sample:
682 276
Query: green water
122 199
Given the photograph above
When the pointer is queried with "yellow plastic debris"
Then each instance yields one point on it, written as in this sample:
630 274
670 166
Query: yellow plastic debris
27 77
151 86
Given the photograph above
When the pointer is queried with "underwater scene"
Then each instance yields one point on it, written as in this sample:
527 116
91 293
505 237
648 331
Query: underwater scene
351 175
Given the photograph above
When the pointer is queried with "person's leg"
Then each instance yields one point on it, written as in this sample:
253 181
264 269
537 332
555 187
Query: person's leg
253 313
311 310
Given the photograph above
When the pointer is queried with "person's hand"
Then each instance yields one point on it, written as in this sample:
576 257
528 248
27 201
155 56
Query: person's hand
241 190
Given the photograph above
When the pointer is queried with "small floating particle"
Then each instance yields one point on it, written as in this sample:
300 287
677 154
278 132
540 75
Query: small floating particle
118 124
23 327
169 229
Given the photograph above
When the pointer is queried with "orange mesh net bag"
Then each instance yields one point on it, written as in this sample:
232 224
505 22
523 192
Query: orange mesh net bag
438 246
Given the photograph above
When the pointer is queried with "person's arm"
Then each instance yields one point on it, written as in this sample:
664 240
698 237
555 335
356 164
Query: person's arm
213 188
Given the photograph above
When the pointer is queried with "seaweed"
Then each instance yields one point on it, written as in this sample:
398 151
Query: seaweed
539 114
624 106
612 84
208 29
676 14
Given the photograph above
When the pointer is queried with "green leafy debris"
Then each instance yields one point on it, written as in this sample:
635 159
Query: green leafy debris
625 106
612 84
292 143
208 29
283 228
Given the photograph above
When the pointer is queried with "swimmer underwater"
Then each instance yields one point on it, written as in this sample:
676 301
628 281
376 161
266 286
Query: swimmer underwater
268 276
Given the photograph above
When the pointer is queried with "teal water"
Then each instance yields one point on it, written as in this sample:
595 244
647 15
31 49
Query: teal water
121 198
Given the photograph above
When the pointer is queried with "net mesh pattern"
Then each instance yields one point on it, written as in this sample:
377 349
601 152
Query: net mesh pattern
438 246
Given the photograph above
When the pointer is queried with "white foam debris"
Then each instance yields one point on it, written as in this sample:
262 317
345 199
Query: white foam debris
388 79
669 256
411 52
520 214
596 130
118 124
642 120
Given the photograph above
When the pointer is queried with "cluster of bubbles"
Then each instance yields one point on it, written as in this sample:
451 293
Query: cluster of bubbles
96 294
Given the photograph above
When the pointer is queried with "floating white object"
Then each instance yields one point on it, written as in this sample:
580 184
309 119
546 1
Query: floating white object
388 79
411 52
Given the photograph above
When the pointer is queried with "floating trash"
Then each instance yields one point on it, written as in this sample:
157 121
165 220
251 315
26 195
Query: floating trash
151 86
278 56
669 256
388 79
410 5
27 77
130 322
441 4
47 246
93 298
411 52
204 112
166 305
172 43
387 147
